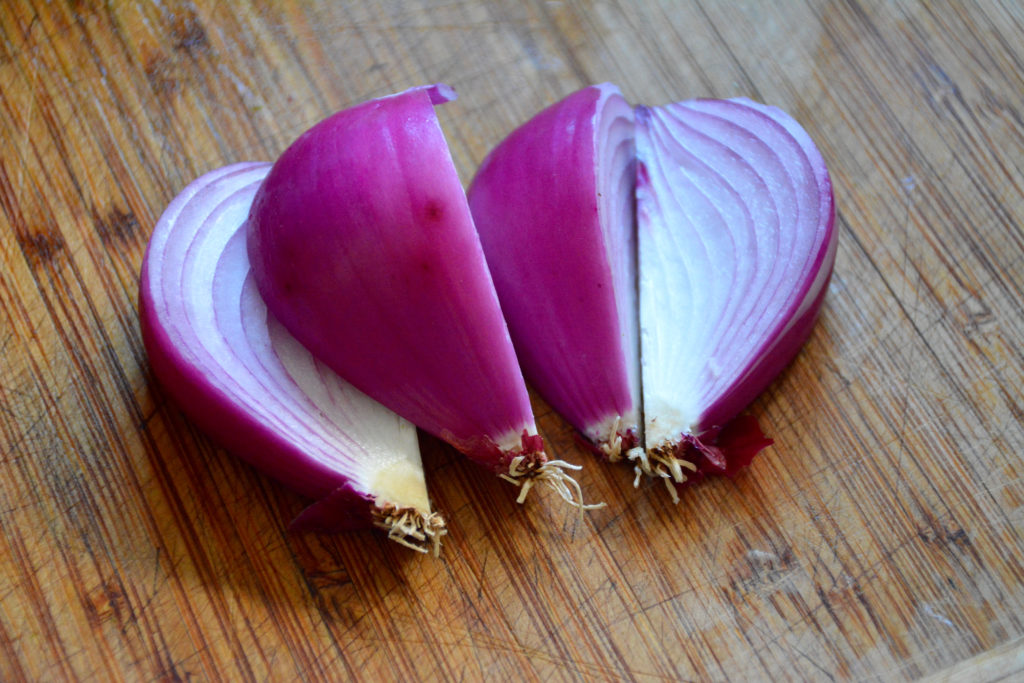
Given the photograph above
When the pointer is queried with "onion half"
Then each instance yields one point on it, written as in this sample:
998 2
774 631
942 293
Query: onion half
725 260
554 207
362 244
238 374
736 245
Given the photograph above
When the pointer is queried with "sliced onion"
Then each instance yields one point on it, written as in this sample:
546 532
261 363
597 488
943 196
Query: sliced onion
736 245
249 384
554 207
363 246
734 227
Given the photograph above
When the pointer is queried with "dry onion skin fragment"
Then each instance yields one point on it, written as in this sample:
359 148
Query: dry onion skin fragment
554 207
362 244
736 238
239 375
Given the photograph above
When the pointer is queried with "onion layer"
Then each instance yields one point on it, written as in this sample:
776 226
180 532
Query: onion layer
248 383
362 244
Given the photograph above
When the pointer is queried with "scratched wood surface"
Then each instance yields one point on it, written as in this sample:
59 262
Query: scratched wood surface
882 537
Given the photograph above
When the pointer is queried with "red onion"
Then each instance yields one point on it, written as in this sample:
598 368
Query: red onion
554 207
248 383
363 246
736 245
734 228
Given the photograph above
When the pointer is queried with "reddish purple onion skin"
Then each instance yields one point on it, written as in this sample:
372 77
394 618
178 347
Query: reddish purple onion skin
553 203
218 415
743 185
362 244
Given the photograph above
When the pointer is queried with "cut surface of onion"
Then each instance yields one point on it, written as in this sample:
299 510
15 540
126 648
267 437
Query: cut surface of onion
553 204
362 244
255 389
736 245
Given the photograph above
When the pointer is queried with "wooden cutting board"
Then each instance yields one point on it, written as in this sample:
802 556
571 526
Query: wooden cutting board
881 536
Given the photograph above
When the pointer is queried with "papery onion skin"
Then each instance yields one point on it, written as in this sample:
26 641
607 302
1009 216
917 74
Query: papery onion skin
362 244
752 171
553 203
183 257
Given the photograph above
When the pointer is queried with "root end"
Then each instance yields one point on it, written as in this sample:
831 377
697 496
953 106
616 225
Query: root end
617 442
525 472
413 528
660 463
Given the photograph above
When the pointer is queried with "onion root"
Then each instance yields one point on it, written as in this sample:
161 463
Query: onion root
415 529
524 471
661 463
616 442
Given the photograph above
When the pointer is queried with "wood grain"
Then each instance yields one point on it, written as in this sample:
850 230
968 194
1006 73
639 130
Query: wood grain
882 537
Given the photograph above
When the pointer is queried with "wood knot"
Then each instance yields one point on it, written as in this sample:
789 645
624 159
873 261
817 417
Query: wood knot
41 248
117 225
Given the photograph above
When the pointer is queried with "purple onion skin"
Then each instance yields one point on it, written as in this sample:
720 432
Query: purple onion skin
535 202
362 244
233 428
